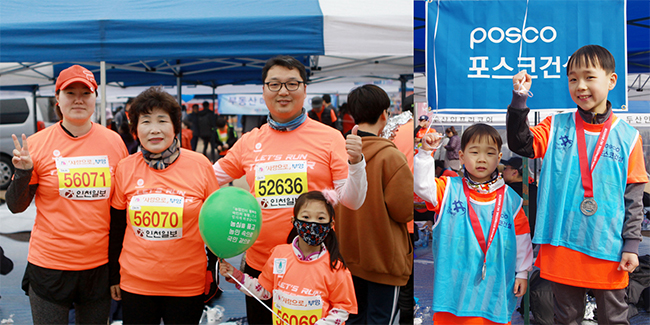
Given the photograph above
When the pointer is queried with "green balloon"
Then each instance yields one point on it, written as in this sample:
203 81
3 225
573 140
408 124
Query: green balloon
230 221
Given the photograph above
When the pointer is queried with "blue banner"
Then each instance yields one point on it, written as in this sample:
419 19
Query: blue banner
253 104
475 47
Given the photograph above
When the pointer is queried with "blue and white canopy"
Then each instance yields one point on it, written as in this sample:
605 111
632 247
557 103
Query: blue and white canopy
201 42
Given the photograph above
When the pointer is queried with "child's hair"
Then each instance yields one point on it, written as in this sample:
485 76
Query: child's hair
479 131
331 243
592 55
367 103
187 123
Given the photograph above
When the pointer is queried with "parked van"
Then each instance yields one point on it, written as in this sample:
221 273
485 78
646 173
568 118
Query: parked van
17 116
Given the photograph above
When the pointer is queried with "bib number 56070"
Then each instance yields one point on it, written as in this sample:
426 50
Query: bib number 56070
155 219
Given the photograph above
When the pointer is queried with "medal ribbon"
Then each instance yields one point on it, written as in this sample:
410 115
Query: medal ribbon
586 170
476 224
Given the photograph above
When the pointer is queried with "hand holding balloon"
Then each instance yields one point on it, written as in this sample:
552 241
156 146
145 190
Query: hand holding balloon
227 270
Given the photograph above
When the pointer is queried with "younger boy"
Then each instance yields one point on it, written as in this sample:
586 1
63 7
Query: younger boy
471 285
374 240
589 207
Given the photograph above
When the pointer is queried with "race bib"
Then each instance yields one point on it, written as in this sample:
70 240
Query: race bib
157 216
278 184
296 310
84 178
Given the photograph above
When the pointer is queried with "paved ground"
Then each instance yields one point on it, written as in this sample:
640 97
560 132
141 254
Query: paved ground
424 287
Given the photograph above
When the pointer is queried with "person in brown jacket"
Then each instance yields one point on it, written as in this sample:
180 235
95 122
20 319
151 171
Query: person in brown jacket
374 239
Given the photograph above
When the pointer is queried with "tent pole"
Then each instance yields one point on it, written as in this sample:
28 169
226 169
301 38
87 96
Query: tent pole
179 93
102 79
402 81
214 97
178 90
35 109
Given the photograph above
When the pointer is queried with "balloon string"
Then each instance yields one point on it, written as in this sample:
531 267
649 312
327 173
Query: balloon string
258 299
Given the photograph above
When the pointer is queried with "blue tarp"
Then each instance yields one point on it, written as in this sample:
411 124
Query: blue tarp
152 42
123 30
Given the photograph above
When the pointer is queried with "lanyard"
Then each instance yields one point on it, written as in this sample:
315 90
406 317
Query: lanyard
476 224
586 170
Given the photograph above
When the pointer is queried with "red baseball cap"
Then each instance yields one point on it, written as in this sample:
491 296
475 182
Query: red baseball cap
76 73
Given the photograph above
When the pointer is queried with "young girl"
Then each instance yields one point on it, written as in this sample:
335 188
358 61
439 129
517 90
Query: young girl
308 278
482 246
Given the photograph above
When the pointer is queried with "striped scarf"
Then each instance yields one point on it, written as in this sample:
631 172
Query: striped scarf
163 159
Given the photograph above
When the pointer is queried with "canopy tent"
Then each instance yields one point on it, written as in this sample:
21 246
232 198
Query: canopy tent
202 42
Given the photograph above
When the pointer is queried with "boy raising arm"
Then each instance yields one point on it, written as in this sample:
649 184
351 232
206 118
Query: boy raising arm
591 184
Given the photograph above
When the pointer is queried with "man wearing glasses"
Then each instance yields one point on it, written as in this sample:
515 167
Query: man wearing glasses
288 156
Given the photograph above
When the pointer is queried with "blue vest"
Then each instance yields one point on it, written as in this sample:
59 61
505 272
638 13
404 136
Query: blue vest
458 258
559 219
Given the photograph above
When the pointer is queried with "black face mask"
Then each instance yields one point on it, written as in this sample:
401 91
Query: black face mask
312 233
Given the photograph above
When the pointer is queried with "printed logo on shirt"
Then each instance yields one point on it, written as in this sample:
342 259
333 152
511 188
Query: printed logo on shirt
56 153
504 221
279 265
258 147
157 216
296 309
278 184
458 207
613 152
139 183
565 139
84 178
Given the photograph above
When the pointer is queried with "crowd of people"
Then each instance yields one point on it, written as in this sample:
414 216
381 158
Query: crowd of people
337 201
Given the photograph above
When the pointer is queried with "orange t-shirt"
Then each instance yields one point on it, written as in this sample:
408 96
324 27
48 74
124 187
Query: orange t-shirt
557 263
186 138
74 177
167 258
404 142
293 281
308 158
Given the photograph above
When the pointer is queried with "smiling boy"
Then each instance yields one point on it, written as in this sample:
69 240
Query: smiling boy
589 209
481 241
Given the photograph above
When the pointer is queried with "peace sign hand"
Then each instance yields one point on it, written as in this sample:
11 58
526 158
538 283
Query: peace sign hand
21 159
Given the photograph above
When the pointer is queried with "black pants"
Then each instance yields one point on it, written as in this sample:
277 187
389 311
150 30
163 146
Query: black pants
140 309
377 303
406 301
255 312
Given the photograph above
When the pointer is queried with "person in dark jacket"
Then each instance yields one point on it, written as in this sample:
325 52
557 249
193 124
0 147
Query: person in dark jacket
322 114
206 130
453 146
226 136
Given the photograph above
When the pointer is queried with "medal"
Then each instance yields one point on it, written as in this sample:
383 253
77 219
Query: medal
476 224
588 206
483 272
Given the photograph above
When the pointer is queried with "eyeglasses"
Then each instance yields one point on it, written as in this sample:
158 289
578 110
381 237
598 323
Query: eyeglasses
290 85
